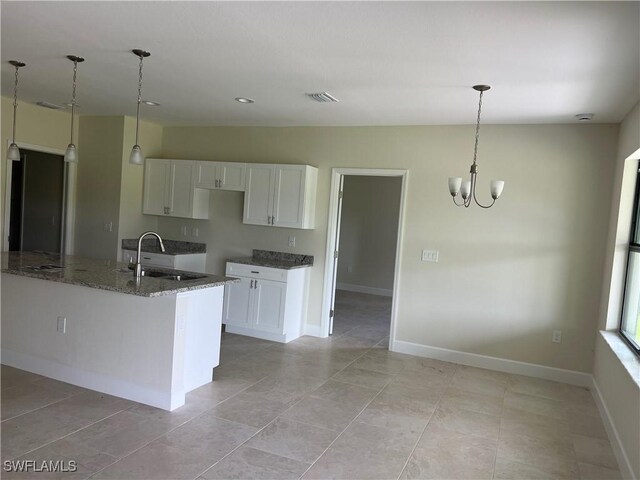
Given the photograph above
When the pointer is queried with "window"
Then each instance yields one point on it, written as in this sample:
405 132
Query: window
630 322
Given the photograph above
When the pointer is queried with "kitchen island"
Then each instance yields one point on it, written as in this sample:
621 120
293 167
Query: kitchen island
90 323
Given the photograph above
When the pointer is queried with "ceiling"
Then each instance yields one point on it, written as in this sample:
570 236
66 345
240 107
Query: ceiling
389 63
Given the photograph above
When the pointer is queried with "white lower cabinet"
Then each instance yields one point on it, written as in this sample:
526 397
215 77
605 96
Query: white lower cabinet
268 303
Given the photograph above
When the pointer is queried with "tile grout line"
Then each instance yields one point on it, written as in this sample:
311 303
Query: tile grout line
428 422
44 406
277 417
167 432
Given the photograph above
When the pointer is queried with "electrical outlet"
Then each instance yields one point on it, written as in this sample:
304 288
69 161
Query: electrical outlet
62 325
184 230
430 256
350 269
110 226
292 241
557 336
194 231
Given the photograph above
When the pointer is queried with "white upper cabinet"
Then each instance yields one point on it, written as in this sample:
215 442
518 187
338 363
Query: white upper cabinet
280 195
221 176
170 189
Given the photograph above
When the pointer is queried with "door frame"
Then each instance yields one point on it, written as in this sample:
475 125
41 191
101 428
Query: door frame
68 200
336 174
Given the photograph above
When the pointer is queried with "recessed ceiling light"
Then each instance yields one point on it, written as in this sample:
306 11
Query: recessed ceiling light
244 100
151 103
585 117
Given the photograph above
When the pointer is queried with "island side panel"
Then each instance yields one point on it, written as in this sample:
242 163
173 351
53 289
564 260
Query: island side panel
200 311
118 344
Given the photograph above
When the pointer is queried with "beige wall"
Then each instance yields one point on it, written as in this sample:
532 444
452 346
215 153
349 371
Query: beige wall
109 188
620 392
98 191
548 230
131 221
35 126
369 231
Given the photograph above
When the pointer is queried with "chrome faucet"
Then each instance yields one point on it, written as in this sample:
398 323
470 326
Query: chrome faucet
137 269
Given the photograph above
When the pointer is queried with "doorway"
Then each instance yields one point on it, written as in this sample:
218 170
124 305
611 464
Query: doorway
363 251
36 208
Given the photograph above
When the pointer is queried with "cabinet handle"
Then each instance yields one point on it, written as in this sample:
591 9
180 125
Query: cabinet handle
251 285
217 183
255 284
166 210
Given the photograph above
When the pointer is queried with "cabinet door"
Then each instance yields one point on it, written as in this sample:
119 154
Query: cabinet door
231 176
156 186
207 175
288 199
268 304
181 188
258 197
237 303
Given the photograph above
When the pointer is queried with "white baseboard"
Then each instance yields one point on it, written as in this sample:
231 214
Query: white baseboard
493 363
312 330
350 287
614 438
92 380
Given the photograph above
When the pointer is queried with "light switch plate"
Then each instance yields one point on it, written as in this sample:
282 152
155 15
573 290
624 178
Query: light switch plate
62 325
430 256
292 241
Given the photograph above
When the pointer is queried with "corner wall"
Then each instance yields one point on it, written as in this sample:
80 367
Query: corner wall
548 230
619 391
368 233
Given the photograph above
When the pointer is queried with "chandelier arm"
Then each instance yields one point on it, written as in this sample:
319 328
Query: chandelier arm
458 204
481 205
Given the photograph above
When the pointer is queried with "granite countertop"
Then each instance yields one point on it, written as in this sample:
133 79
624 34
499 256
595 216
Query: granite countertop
102 274
172 247
282 260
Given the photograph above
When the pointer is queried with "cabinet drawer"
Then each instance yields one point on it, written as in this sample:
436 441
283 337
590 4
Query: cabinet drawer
253 271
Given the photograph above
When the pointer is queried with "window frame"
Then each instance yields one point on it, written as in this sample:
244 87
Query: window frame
633 247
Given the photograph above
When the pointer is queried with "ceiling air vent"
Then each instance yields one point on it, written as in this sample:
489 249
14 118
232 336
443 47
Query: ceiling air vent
50 105
322 97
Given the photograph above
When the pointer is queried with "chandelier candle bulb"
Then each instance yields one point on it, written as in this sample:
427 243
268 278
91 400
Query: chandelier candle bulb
496 188
454 185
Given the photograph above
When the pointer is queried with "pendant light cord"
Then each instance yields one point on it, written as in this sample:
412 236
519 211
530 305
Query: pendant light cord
73 96
139 99
15 105
475 148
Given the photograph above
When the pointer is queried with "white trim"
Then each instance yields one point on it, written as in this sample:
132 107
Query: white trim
352 287
69 188
336 173
494 363
618 448
252 332
312 330
92 380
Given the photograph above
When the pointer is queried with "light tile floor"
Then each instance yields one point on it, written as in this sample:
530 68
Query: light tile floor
343 407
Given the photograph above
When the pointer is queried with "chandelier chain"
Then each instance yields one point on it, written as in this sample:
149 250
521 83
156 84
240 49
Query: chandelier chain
475 148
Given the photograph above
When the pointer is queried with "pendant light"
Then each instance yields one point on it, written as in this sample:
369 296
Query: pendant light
13 153
136 157
467 189
71 155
